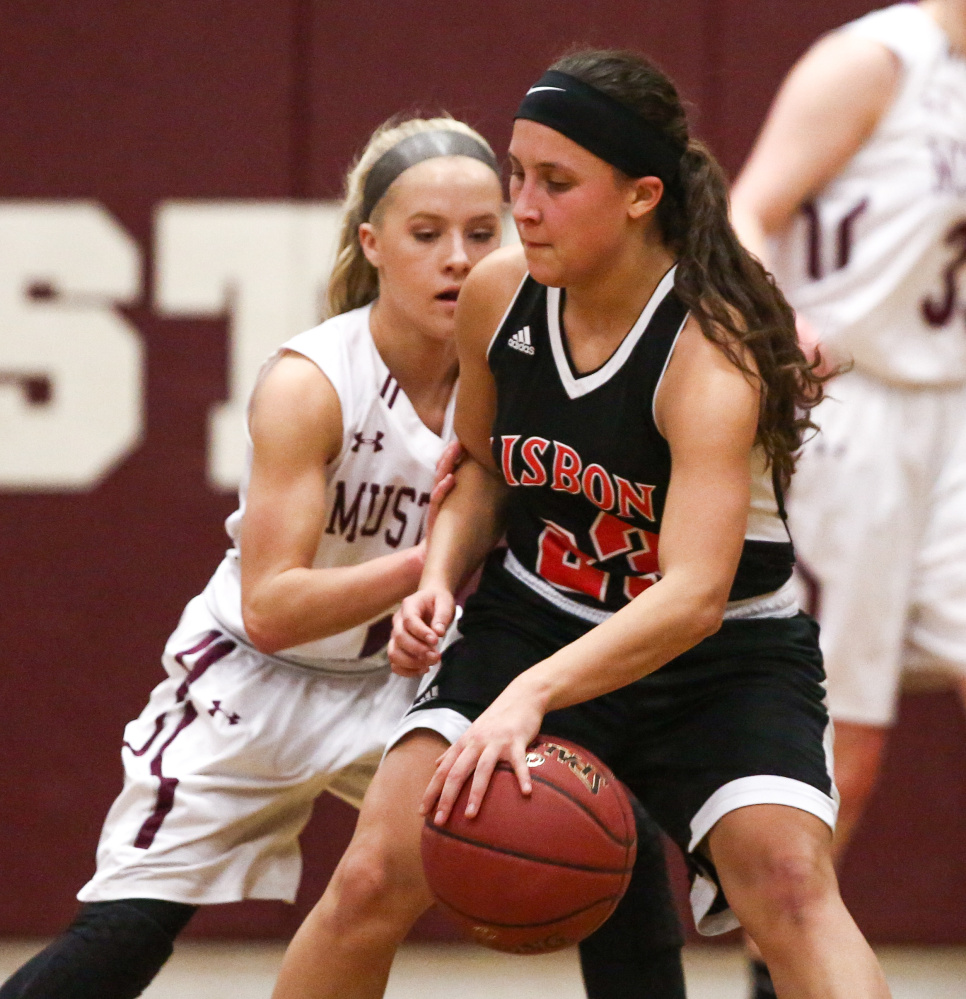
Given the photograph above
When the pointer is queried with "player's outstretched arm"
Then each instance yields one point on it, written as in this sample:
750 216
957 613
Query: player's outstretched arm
296 427
829 104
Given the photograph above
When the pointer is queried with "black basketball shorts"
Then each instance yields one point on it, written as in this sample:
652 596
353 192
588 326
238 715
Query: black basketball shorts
738 720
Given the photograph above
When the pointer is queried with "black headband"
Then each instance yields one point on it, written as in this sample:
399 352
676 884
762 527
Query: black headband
602 125
414 149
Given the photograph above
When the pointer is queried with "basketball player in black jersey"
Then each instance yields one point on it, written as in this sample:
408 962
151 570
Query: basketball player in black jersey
631 399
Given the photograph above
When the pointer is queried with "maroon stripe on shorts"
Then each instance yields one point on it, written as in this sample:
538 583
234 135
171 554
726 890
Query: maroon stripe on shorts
158 726
214 653
165 798
160 720
206 640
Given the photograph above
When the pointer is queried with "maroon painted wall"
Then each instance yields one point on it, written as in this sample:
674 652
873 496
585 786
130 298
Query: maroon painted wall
132 104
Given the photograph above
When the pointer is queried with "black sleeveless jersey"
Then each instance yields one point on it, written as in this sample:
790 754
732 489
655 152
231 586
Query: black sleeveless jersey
589 469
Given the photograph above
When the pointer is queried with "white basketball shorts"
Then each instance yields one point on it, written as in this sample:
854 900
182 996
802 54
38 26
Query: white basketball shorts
878 514
224 764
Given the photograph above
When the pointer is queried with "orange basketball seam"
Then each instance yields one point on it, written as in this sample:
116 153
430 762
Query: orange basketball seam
525 856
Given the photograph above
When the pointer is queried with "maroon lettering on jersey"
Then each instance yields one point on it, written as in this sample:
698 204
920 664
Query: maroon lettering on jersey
423 501
406 493
939 311
348 520
371 527
345 516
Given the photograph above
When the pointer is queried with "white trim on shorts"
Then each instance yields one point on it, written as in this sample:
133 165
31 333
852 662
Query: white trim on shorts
446 722
761 789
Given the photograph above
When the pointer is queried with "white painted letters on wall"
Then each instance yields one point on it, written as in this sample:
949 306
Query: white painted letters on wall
64 266
265 265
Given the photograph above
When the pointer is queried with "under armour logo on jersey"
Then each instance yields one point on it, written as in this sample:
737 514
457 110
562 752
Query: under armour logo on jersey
216 708
376 442
521 341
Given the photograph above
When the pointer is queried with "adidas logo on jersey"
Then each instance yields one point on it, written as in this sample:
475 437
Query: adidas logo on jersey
430 694
521 341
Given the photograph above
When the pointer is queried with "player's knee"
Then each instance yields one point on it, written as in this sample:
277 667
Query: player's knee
783 886
374 879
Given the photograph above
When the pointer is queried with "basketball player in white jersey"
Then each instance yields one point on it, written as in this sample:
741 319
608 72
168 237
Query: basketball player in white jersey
278 684
855 197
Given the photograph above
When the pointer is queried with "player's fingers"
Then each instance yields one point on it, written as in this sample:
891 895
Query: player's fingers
410 650
443 611
485 766
449 459
518 760
442 489
404 664
443 764
459 771
415 617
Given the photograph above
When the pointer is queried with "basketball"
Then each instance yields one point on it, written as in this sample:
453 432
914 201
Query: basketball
529 875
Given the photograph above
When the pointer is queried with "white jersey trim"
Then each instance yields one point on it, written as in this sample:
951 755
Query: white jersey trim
579 386
550 593
667 361
782 602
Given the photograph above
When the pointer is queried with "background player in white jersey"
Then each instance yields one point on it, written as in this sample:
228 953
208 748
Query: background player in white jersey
855 197
278 685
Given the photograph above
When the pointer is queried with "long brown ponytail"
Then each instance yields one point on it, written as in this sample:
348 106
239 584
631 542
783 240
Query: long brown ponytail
733 297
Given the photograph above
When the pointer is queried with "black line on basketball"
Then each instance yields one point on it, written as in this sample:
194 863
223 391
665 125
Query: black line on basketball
443 831
566 794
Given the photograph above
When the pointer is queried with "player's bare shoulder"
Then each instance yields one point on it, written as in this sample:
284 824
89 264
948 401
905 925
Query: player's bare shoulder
845 73
486 294
295 402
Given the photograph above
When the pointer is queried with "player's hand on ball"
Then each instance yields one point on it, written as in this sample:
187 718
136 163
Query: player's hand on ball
502 732
418 625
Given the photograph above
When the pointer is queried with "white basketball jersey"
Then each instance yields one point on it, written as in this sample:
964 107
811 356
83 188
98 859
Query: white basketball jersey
377 489
875 261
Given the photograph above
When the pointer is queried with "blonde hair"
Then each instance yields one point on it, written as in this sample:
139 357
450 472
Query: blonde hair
354 281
